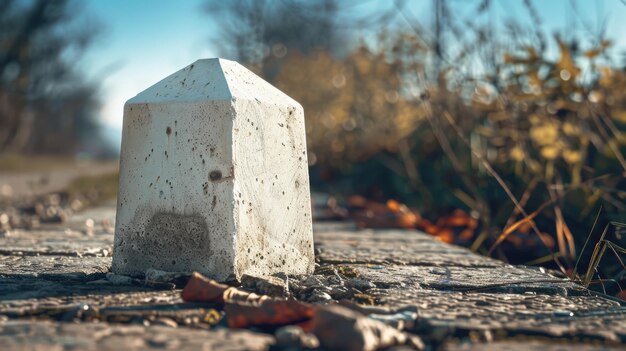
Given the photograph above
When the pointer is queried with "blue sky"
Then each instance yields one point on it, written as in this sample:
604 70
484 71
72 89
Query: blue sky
142 42
145 40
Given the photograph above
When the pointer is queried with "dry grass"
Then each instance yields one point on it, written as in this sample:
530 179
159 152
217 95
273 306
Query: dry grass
29 163
96 189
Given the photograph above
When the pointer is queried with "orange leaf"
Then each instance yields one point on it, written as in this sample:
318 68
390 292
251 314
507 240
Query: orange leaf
393 205
407 220
446 235
466 234
244 309
269 312
357 201
592 53
512 228
202 289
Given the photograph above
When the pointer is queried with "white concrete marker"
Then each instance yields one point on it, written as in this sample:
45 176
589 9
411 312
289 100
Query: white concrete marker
213 177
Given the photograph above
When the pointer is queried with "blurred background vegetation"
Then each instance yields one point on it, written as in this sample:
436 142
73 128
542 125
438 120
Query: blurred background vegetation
46 104
493 134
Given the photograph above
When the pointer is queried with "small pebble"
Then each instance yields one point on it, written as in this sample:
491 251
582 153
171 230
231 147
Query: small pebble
313 281
334 280
168 322
80 312
438 270
293 337
341 293
320 297
563 313
360 284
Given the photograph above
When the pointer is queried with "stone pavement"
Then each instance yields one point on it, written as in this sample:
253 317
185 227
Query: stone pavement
55 294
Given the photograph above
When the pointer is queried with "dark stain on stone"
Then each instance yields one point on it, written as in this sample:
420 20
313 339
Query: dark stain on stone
215 175
171 241
168 131
214 202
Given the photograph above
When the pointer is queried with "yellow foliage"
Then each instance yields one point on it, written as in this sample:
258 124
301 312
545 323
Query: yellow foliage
570 129
566 65
572 157
550 152
545 134
354 105
517 153
541 115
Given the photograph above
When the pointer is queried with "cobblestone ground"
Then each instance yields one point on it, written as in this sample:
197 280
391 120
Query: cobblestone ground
55 293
